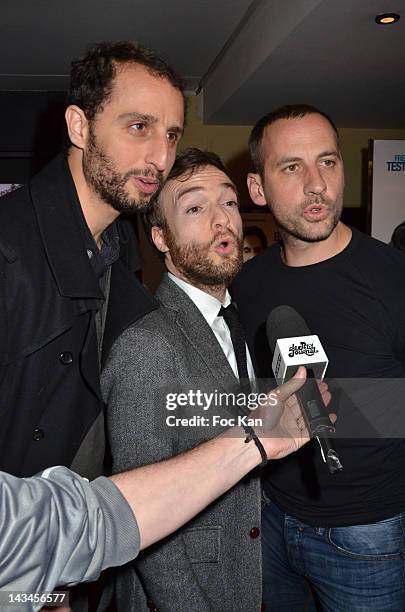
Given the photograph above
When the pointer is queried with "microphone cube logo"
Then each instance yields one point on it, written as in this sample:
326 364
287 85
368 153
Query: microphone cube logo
303 348
292 352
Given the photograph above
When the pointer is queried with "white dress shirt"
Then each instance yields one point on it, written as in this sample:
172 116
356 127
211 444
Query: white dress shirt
209 307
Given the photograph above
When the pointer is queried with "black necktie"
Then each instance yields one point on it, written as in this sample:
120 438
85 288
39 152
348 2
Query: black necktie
231 316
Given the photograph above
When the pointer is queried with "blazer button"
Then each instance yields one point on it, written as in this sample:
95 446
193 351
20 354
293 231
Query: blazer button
66 358
38 434
254 532
151 605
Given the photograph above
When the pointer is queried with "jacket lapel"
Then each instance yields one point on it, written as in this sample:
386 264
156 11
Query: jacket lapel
129 300
51 193
194 327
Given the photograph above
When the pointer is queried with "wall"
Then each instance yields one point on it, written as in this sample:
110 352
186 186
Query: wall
31 127
354 144
230 142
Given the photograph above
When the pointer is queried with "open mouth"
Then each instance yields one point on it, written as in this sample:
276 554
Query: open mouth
146 185
316 211
226 245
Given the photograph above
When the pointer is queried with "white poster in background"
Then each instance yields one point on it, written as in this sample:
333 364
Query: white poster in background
388 199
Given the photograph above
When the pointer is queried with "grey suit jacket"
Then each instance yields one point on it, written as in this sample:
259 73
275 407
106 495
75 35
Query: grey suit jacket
214 562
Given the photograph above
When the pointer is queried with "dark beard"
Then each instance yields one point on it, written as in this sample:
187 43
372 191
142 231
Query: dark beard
291 228
110 186
193 262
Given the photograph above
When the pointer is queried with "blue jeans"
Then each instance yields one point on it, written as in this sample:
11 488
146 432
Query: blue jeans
339 569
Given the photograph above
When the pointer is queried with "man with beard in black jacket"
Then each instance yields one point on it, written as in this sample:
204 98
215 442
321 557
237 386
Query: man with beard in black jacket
68 284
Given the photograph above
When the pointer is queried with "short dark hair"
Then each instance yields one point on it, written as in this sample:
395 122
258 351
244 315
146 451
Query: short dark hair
188 162
253 230
398 237
290 111
92 76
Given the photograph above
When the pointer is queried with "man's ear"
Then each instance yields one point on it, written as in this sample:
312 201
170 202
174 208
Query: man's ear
255 186
77 126
158 239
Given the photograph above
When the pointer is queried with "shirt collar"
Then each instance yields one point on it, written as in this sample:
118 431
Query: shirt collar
100 259
207 304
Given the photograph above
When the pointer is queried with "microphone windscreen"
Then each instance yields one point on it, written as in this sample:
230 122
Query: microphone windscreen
284 322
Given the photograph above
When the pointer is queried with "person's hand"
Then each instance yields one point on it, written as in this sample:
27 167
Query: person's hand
283 429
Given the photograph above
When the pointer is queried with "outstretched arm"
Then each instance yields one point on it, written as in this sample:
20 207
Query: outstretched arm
60 529
199 476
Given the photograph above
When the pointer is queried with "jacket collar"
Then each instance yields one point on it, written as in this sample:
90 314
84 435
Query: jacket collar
207 304
51 192
197 331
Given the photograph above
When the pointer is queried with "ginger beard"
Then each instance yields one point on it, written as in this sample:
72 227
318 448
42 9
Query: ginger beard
101 174
194 262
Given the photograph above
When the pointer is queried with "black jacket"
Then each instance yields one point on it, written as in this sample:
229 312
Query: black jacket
51 411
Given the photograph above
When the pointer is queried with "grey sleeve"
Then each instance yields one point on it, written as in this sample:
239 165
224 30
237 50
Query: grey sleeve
58 529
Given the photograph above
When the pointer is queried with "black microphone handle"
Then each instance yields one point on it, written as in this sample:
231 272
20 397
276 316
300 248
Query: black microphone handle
318 422
315 411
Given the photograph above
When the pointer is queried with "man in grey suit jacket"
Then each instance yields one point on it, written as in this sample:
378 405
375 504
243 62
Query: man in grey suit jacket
214 563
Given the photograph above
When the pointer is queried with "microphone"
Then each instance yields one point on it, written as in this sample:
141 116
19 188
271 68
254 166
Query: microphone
292 345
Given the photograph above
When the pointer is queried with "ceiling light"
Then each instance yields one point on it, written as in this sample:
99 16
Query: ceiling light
387 18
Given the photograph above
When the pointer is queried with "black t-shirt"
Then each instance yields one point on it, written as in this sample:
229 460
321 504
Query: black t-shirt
355 303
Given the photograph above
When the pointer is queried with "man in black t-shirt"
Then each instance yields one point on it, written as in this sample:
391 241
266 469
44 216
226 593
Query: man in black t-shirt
330 541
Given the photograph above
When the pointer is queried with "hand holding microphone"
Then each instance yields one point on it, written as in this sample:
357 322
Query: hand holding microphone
283 428
293 345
